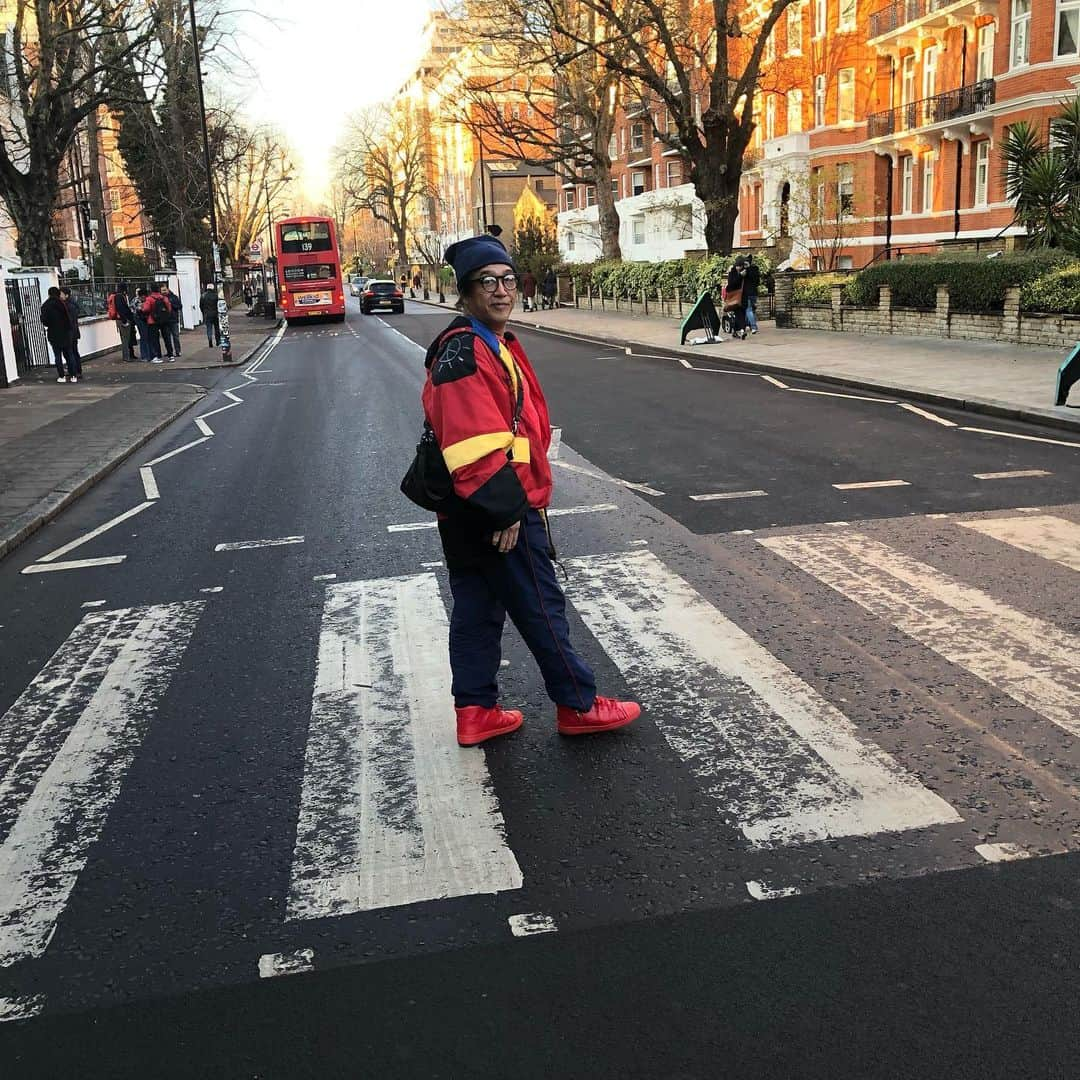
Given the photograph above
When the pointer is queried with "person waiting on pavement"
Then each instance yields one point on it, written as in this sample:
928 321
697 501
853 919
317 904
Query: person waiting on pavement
171 328
548 289
485 406
60 332
208 306
146 351
735 297
74 311
120 310
528 291
157 312
751 287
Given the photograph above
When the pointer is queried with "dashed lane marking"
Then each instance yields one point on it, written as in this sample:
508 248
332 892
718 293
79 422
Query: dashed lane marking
416 526
531 923
149 483
325 577
1053 538
272 965
1002 852
760 891
92 534
73 564
1015 475
728 495
95 603
872 484
21 1008
248 545
927 415
776 382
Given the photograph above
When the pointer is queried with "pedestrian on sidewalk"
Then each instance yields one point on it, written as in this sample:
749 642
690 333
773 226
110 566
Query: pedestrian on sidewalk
484 404
120 310
415 284
549 288
146 348
735 298
528 291
60 333
171 329
74 311
156 310
208 306
751 287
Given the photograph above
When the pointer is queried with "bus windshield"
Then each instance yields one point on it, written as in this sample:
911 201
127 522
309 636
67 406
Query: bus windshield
305 236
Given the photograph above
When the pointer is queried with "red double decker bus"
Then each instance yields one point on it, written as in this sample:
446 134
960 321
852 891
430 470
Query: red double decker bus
308 269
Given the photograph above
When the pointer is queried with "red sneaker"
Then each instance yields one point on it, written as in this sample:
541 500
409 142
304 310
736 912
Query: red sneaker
476 723
607 714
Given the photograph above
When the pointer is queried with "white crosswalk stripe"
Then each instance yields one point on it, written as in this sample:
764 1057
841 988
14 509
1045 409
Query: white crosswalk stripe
65 747
1029 659
783 762
1054 538
392 811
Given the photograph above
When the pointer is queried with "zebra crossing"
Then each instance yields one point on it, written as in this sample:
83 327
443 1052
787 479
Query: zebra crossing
392 813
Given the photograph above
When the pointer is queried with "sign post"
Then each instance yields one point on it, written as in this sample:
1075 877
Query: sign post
1067 377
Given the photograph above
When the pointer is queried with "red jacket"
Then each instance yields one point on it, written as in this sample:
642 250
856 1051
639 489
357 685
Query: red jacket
148 306
469 400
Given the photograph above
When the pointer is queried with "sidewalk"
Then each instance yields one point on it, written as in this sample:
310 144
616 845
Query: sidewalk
987 377
58 440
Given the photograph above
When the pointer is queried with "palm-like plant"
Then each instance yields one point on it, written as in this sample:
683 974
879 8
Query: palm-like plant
1043 178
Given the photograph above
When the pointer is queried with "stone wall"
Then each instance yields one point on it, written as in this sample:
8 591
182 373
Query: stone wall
1022 328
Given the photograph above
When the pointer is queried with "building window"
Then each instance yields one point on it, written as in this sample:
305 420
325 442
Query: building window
571 241
907 184
794 111
770 117
637 136
907 79
845 96
590 196
821 15
817 178
570 200
539 185
637 229
982 172
928 183
116 204
1068 30
819 100
846 16
794 30
615 189
637 182
845 189
612 148
674 173
984 51
819 262
1021 25
929 71
683 220
845 262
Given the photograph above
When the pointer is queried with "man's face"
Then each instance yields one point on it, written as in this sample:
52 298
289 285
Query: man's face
494 308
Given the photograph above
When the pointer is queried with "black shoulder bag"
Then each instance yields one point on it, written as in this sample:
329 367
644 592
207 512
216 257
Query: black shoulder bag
428 482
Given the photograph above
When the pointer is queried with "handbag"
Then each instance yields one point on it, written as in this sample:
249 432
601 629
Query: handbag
428 482
732 299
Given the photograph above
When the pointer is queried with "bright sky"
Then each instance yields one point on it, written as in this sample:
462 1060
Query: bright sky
319 60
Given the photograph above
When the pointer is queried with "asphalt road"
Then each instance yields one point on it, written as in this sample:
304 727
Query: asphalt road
838 843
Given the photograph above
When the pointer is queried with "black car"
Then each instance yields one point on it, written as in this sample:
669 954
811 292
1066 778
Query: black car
382 296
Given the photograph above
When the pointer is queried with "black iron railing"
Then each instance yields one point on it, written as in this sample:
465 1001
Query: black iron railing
963 101
901 12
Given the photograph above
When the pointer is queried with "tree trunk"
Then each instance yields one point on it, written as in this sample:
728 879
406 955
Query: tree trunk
717 187
97 200
31 208
607 215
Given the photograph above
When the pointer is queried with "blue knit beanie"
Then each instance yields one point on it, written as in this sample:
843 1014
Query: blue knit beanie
468 255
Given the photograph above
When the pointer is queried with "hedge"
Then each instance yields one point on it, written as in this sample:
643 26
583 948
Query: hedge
817 289
976 283
1055 292
693 276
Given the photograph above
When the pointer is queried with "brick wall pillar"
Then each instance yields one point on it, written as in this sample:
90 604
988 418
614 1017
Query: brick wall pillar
941 310
885 308
784 298
1010 322
836 296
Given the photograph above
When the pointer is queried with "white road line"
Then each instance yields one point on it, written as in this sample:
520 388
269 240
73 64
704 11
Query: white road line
637 543
179 450
599 508
271 965
94 533
780 761
776 382
685 363
728 495
872 484
726 371
927 415
645 489
432 565
1032 661
837 393
1015 475
65 747
248 545
95 603
324 577
149 483
1026 438
760 891
392 810
21 1008
1002 852
1054 538
73 564
531 923
213 589
556 444
204 427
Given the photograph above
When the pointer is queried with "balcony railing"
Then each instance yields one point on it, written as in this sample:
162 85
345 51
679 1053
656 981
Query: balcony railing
901 12
963 101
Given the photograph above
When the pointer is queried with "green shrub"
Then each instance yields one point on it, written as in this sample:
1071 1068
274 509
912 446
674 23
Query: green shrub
816 289
976 284
1055 292
692 276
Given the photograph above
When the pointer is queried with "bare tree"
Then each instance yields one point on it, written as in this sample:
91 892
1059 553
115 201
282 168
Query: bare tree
384 171
58 62
701 67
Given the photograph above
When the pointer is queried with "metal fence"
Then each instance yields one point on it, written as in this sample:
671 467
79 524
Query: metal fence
963 101
27 333
93 296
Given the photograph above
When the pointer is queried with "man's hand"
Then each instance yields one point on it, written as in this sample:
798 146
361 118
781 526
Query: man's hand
505 539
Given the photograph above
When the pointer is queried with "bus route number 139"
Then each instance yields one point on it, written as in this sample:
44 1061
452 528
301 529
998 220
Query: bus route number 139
305 247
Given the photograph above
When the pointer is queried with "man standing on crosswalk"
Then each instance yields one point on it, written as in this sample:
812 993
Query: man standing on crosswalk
484 403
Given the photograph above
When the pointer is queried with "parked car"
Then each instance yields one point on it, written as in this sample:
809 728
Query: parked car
382 296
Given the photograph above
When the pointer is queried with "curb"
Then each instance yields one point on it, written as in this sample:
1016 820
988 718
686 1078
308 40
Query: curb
983 406
218 365
54 502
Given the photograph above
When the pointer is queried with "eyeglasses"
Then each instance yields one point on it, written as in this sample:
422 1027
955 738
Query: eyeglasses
489 282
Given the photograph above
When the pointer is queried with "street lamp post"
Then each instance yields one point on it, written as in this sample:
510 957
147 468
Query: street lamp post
223 306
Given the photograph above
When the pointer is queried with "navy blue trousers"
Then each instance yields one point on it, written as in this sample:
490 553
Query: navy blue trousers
523 585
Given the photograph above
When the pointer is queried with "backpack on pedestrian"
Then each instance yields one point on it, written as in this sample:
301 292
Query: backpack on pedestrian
160 309
111 308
